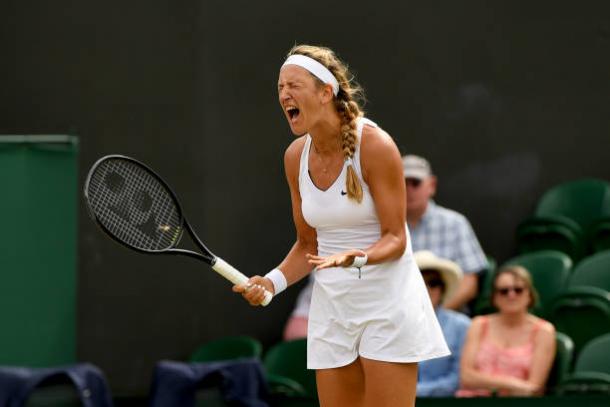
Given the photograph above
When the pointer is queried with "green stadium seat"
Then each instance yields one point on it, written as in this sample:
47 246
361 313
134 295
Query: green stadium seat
600 235
584 201
562 363
551 233
582 313
231 347
480 305
287 373
591 370
550 270
593 271
564 216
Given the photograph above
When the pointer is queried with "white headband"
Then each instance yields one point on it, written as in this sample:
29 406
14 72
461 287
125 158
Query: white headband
316 68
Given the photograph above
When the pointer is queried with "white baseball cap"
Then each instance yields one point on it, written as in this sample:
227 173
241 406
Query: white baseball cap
417 167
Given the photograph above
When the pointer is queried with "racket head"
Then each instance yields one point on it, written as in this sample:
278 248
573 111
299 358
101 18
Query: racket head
133 205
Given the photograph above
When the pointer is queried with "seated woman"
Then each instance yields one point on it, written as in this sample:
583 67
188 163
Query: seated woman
509 353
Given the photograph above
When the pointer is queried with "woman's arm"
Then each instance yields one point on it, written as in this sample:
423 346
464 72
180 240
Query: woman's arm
382 170
544 354
295 266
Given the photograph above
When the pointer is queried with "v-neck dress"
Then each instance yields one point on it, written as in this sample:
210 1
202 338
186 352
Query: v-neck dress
381 312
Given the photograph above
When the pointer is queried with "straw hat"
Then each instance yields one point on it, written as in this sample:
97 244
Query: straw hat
450 272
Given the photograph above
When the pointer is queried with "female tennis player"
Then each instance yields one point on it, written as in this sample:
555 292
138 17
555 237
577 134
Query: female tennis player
371 319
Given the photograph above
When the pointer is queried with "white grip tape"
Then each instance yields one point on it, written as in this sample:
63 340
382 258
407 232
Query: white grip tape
233 275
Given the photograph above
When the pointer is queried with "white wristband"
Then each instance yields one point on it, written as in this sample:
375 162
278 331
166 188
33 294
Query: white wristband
279 281
360 261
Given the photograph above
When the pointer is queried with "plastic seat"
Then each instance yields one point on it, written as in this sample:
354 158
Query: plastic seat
231 347
593 271
481 302
564 216
286 367
550 270
582 313
600 235
551 233
591 370
563 360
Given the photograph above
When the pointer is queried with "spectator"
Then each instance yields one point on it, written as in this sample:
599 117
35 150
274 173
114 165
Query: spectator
441 377
445 232
508 353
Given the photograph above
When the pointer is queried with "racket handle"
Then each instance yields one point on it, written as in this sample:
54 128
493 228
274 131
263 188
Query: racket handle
233 275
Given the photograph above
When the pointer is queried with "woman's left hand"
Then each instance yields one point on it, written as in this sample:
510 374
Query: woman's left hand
344 259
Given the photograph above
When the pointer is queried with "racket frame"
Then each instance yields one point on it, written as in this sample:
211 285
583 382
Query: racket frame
206 255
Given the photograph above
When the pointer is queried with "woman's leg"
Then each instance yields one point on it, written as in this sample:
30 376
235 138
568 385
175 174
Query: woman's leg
389 384
341 386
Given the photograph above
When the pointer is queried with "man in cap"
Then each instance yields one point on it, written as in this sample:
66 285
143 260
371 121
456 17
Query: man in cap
441 377
445 232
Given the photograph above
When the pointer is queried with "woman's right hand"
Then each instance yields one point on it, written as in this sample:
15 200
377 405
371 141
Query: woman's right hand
254 290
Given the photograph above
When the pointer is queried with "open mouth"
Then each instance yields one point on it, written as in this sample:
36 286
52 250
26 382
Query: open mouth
293 112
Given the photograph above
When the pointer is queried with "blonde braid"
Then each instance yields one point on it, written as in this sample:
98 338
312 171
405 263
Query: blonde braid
348 140
346 103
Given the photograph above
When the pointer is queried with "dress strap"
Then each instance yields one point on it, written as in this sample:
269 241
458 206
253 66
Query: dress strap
360 122
484 327
304 163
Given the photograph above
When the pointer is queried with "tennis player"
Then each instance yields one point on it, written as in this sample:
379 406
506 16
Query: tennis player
371 319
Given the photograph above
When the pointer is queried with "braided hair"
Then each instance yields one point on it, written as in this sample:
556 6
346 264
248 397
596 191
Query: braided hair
347 102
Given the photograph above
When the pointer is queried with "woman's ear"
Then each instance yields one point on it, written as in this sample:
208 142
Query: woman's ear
326 93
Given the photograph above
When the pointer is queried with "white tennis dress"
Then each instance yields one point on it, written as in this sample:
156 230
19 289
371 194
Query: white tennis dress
383 313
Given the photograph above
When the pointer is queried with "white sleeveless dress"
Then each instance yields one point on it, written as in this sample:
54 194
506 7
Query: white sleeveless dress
382 312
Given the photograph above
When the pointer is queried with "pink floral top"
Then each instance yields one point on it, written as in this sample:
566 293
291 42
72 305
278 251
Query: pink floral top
495 360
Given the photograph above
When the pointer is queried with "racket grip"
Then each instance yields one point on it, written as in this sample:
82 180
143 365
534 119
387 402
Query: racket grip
233 275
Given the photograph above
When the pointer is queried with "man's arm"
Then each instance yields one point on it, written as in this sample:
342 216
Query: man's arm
466 291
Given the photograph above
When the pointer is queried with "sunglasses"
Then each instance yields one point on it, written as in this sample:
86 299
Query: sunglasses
413 182
433 283
504 291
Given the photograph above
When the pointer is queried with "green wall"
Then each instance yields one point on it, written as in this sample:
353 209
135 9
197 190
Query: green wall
38 179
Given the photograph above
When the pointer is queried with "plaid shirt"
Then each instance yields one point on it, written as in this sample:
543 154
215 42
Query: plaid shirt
448 234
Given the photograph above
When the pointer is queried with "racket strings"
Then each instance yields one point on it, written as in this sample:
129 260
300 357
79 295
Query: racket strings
134 205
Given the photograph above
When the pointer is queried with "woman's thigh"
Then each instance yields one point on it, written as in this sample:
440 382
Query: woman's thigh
341 386
389 384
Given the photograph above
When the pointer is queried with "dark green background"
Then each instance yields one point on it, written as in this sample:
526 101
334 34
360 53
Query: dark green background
506 99
38 246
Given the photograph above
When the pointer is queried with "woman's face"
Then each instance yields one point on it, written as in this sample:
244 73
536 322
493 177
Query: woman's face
300 98
511 294
435 286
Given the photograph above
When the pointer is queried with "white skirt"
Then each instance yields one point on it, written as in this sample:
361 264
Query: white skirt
384 314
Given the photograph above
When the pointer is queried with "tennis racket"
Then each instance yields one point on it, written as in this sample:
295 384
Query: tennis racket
136 208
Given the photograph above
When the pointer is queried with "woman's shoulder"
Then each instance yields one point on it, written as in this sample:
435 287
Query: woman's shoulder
375 138
477 323
292 158
542 325
481 319
295 149
378 152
